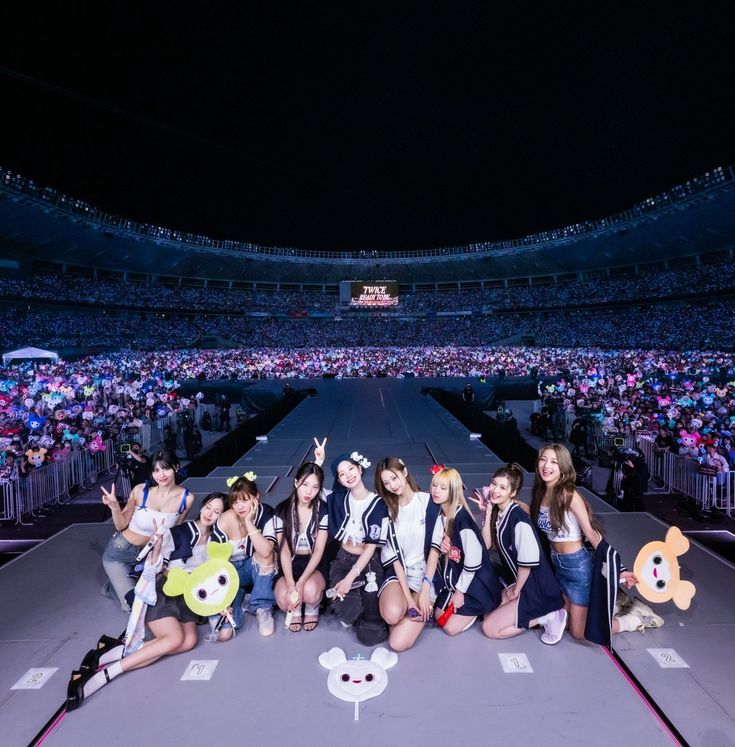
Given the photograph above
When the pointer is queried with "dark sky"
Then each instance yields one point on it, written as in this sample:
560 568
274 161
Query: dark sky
357 125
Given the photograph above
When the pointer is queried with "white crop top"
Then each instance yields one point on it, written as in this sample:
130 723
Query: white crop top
141 522
569 532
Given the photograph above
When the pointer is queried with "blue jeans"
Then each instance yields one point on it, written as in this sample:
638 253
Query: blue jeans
574 574
118 559
261 597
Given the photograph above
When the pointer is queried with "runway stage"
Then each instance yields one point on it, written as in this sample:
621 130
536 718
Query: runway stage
444 690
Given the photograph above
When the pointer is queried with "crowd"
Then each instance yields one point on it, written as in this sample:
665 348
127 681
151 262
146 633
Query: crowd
65 405
653 284
50 411
104 292
683 327
656 284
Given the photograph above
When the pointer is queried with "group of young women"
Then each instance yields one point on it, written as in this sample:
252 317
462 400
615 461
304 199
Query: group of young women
386 561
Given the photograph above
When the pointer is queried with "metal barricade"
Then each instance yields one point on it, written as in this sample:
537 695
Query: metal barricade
52 483
7 493
681 474
150 435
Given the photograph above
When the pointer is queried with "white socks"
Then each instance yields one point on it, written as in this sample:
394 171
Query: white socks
546 618
114 654
630 622
102 678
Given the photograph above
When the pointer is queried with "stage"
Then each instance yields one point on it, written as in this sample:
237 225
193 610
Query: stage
445 690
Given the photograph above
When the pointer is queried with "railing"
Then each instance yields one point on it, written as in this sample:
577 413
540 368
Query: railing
51 484
681 474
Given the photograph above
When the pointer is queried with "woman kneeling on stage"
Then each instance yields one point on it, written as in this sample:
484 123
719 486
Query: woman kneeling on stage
358 520
413 516
535 598
471 587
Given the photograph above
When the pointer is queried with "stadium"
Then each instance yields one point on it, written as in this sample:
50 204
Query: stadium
191 285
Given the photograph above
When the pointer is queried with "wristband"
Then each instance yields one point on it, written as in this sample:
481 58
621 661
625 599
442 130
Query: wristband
255 531
425 579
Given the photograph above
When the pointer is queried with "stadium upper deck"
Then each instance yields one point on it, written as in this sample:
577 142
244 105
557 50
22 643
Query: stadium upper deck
40 224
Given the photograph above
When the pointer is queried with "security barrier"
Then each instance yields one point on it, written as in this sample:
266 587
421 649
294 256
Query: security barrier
51 484
681 474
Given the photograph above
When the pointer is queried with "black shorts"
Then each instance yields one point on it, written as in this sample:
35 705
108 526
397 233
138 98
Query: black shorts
166 606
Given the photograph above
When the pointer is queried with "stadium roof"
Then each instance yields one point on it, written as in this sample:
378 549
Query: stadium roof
361 126
41 225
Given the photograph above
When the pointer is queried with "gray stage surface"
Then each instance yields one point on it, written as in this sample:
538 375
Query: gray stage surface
444 690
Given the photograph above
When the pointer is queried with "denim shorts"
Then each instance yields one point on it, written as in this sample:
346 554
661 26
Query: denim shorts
574 574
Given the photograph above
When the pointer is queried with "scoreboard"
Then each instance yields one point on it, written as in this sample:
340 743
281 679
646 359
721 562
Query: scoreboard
369 294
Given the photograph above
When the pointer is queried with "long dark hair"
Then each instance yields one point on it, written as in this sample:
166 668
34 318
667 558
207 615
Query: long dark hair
514 473
167 459
561 493
288 509
395 465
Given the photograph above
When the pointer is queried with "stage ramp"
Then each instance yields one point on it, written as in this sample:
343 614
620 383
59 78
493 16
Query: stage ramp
443 690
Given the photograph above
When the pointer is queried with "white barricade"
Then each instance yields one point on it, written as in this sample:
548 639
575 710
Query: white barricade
681 474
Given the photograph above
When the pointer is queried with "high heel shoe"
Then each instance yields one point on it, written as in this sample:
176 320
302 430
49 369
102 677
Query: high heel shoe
75 689
91 660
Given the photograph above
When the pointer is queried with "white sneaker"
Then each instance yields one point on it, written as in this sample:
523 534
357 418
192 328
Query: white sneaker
647 616
623 604
630 623
554 628
266 626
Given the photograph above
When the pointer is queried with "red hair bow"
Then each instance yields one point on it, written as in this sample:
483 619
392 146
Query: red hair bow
437 468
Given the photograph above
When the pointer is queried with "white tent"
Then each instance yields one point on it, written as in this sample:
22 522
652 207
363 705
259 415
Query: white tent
26 353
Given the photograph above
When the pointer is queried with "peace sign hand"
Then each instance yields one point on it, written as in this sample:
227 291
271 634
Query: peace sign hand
109 498
320 451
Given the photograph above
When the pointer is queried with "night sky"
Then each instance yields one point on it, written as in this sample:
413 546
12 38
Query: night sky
355 125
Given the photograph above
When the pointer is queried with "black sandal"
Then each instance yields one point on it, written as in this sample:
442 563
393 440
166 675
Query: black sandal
91 660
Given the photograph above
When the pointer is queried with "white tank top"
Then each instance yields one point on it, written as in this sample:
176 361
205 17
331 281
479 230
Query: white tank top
569 532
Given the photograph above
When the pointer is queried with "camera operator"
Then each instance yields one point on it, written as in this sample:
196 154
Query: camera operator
634 483
135 463
579 436
468 394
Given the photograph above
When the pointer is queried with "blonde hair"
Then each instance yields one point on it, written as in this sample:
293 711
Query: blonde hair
456 495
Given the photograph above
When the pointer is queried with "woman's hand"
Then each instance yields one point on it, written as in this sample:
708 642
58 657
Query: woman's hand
445 545
320 451
509 594
157 538
109 498
458 600
481 499
251 511
342 588
629 579
424 603
293 597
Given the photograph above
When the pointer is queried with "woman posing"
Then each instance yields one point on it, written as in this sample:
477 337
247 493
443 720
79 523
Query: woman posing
358 520
566 518
248 526
301 529
535 597
470 585
170 621
164 504
413 516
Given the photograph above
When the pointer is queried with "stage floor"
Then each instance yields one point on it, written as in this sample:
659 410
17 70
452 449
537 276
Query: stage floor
445 690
